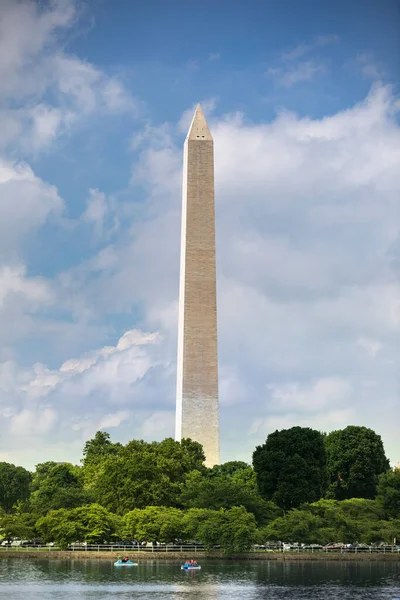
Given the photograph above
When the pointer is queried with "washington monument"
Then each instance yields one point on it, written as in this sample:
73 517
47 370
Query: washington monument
197 370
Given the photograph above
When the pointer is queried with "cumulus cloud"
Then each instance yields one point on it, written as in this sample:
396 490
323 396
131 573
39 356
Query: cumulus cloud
101 213
26 203
98 390
307 247
301 63
310 397
45 93
308 295
304 71
34 68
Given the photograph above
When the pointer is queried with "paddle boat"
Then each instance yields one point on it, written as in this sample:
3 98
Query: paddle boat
190 567
126 563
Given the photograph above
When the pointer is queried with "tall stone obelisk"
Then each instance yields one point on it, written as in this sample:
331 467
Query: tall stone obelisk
197 370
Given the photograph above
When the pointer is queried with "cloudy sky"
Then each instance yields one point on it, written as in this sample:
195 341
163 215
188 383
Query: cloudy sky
95 101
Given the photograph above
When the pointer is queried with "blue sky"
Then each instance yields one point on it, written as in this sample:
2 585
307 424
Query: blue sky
96 97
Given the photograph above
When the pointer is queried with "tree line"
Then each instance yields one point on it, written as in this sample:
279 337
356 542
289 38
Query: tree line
303 486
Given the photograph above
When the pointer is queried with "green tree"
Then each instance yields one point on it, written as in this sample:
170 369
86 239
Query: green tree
95 452
14 485
41 472
191 521
352 520
57 486
92 523
298 526
234 530
147 474
389 492
221 491
355 459
16 526
291 467
229 469
236 470
59 526
154 523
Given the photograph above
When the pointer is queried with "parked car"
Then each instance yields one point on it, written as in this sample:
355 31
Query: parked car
125 543
362 547
334 546
78 545
33 543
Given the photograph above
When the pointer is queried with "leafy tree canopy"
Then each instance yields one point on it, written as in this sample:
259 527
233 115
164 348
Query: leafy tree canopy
14 485
57 486
16 526
233 529
355 459
225 492
291 467
91 523
95 452
389 492
155 523
145 474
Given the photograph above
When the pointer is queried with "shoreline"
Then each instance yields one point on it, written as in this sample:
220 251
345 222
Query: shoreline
178 556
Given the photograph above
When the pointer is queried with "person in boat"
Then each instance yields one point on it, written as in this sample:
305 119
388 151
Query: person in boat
125 559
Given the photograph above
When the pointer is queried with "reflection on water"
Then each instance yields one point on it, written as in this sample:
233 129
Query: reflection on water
95 579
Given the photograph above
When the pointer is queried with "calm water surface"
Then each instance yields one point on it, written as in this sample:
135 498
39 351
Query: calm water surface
94 579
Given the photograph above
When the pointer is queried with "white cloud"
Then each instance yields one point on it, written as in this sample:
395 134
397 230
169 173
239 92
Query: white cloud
101 213
34 68
88 87
301 50
74 401
370 67
337 419
297 66
15 285
97 365
39 421
305 231
25 31
113 419
307 227
372 347
45 93
311 397
159 424
304 71
26 203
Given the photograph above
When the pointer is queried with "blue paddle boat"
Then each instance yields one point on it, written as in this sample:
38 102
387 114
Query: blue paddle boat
126 563
190 567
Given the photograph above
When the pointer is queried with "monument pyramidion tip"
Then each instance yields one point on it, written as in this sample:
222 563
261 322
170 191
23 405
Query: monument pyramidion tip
198 129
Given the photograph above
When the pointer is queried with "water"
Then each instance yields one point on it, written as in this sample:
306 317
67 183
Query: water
97 580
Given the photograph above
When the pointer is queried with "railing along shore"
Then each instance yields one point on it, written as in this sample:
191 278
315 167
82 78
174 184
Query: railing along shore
195 548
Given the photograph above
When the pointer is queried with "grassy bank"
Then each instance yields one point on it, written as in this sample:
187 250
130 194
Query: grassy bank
179 557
